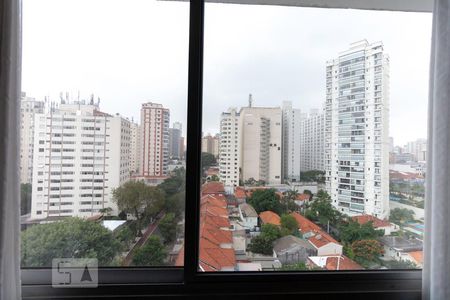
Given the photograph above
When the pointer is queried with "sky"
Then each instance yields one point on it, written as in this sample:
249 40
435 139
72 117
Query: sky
135 51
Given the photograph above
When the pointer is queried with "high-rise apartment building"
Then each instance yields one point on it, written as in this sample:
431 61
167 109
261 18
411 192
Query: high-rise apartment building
260 137
135 143
176 141
312 141
291 130
356 130
229 149
28 108
154 152
418 149
210 144
80 155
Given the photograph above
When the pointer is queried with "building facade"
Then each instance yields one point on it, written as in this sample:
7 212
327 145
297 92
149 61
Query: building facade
80 155
28 108
210 144
154 150
312 141
356 130
291 130
229 153
260 138
135 144
174 143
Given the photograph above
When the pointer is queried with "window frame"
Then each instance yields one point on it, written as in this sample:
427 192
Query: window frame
187 280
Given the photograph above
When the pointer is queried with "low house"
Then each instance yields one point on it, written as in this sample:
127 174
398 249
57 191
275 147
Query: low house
302 199
415 257
291 250
269 217
398 248
240 194
213 188
333 263
377 223
248 216
322 241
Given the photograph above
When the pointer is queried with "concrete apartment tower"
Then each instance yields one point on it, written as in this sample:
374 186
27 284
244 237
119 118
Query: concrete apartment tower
229 148
210 144
28 108
291 130
357 130
154 153
312 141
135 145
174 141
80 155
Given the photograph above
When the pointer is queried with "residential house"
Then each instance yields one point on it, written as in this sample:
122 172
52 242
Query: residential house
291 250
399 248
333 263
377 223
269 217
248 216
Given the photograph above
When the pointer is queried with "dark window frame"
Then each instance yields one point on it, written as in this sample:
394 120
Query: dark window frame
176 281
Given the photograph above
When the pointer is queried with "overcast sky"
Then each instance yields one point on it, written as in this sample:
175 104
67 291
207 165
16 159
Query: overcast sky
134 51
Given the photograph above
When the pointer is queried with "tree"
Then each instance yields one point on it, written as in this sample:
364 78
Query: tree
125 236
176 183
175 204
214 178
208 160
261 244
401 215
72 237
400 264
272 232
25 198
313 176
153 253
300 266
139 199
366 251
168 227
322 211
352 231
263 200
289 225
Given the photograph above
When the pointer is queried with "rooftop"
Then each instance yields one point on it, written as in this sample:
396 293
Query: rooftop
213 187
335 263
248 210
363 219
269 217
401 244
289 241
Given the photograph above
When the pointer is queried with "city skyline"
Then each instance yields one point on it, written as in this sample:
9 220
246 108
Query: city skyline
265 55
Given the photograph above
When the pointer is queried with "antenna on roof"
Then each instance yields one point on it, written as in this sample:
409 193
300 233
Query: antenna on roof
250 100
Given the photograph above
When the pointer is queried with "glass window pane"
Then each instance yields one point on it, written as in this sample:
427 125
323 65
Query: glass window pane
314 145
103 131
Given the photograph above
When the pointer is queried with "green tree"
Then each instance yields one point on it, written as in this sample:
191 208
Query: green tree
176 183
153 253
272 232
289 225
125 236
214 178
263 200
25 198
175 204
72 237
261 244
322 211
208 160
168 227
366 251
140 200
400 264
352 231
300 266
401 215
313 176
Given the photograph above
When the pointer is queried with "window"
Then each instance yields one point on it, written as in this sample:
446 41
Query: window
194 181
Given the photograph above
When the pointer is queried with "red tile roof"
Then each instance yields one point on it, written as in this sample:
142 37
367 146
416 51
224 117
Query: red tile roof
417 256
269 217
215 200
214 258
213 187
179 262
240 193
320 238
345 263
363 219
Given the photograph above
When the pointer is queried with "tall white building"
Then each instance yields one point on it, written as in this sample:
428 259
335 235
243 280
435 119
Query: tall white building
312 141
80 155
135 143
229 153
356 130
418 149
154 152
291 130
28 108
260 136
